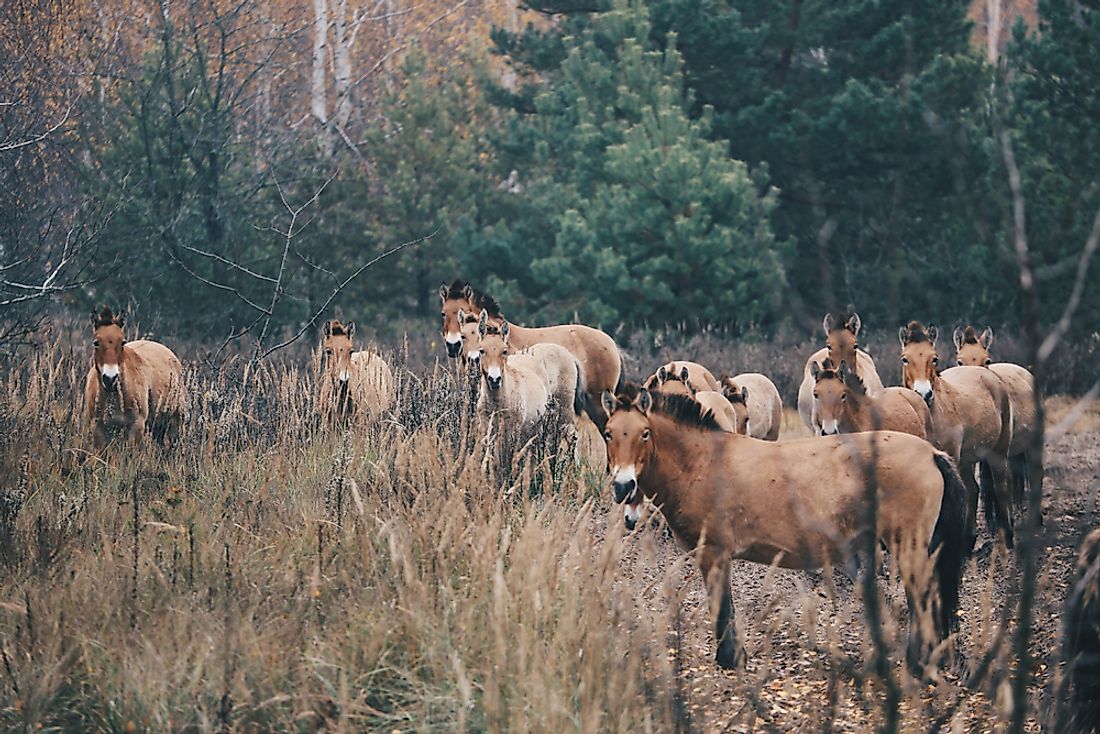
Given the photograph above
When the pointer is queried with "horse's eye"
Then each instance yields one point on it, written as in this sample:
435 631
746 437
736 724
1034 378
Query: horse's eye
482 350
95 343
328 352
935 360
988 362
905 360
607 436
844 396
645 435
815 396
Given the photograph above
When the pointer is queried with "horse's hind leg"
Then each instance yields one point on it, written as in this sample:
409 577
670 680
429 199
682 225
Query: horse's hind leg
996 495
716 573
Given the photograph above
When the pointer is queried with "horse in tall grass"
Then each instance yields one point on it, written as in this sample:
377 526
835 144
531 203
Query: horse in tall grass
353 382
682 378
801 504
971 419
756 403
972 349
131 386
519 389
596 353
841 345
1081 641
842 405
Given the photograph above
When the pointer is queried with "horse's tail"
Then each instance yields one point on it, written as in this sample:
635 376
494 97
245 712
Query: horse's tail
622 375
1018 475
996 514
580 394
953 536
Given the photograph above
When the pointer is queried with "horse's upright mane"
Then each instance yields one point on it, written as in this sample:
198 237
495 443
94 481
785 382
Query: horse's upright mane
485 302
680 408
106 317
336 328
454 290
916 332
969 335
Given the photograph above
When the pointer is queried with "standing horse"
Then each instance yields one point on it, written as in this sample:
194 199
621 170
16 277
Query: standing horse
800 504
757 404
841 345
131 385
842 405
596 353
519 389
353 381
720 407
1023 453
1081 641
682 378
971 417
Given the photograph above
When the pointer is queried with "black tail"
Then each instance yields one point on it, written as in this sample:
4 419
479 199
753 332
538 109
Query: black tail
997 516
1017 476
953 536
580 395
622 375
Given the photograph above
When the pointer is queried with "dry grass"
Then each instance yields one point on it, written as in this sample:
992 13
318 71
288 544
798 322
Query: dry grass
267 573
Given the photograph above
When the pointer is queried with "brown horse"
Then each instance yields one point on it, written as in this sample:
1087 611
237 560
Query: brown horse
841 345
1081 641
720 407
519 389
972 420
798 504
596 352
842 405
131 386
756 403
972 349
353 382
682 378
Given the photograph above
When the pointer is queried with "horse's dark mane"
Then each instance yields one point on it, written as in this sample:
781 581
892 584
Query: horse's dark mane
454 290
493 329
841 319
106 317
485 302
730 390
916 332
680 408
969 335
828 370
335 328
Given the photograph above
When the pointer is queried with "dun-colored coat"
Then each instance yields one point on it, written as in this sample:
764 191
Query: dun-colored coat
757 404
353 383
799 504
1025 451
131 386
1081 642
842 405
720 407
595 352
971 417
841 345
682 378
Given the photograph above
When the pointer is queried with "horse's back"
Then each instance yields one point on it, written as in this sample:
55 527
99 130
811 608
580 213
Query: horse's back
764 405
1020 385
376 379
905 411
595 351
163 372
720 408
982 406
561 369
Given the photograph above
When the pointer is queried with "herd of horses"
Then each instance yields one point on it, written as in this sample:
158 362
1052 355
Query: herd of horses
903 465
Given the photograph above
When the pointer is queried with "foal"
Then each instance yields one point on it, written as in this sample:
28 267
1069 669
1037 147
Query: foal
841 345
842 405
353 381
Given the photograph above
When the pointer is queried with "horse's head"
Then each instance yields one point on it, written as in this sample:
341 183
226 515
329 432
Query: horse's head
471 339
842 336
739 399
830 395
336 342
493 351
972 349
919 360
670 379
629 447
456 297
108 341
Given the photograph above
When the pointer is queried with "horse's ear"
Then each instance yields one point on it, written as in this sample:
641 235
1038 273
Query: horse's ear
933 333
95 319
327 328
745 395
957 337
443 291
815 369
468 292
120 319
986 338
662 374
607 400
903 335
349 329
645 400
827 323
482 324
462 316
684 375
853 324
503 330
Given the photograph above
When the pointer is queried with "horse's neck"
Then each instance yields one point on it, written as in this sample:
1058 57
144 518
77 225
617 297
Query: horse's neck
677 452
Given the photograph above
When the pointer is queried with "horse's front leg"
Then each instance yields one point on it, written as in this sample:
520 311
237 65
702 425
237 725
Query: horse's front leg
716 571
137 429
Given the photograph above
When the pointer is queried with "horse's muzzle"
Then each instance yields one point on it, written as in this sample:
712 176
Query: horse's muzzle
109 382
624 490
454 349
631 523
493 382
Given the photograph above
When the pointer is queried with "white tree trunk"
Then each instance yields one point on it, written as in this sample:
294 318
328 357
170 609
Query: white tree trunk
342 39
318 87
